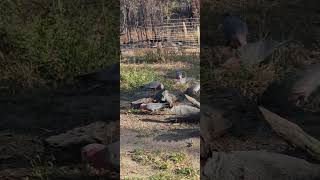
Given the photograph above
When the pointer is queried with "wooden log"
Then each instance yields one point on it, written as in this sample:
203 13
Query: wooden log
292 133
193 101
239 165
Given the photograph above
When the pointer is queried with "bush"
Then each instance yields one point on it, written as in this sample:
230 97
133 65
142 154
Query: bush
45 42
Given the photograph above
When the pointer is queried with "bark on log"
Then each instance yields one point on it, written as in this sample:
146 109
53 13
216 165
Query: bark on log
258 165
292 133
193 101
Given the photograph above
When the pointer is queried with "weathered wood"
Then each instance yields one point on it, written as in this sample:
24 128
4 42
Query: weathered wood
185 30
193 101
292 133
240 165
97 132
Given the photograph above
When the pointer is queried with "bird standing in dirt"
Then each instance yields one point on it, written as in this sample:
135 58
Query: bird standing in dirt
235 31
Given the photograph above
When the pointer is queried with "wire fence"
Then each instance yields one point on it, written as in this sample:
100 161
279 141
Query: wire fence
184 33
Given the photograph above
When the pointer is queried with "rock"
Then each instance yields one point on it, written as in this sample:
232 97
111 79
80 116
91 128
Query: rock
260 165
97 132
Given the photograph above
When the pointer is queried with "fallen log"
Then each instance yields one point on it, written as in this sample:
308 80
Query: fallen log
239 165
193 101
185 113
292 133
96 132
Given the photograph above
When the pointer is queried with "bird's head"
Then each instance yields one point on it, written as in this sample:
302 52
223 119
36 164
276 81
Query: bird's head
179 75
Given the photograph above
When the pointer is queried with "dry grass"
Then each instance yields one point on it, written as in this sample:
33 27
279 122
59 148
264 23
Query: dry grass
150 67
55 41
173 165
251 80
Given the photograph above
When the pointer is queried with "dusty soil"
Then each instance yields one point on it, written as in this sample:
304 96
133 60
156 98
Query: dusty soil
153 132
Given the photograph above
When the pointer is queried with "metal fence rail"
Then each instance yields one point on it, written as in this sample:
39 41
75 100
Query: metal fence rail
173 32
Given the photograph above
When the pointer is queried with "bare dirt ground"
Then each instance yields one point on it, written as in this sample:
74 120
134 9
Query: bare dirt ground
151 132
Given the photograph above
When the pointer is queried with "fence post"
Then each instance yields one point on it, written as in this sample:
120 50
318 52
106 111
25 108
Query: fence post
198 34
185 30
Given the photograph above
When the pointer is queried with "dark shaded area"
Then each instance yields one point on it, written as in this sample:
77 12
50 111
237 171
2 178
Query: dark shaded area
57 112
275 20
275 99
278 20
178 135
55 59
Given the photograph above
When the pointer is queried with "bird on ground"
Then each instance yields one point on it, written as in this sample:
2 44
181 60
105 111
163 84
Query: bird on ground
235 30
